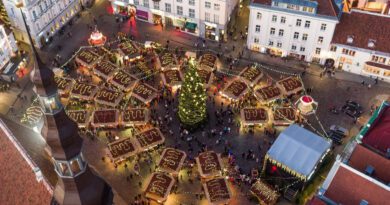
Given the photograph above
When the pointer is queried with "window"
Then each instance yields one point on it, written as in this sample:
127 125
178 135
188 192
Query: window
146 3
156 5
258 15
304 37
348 52
307 24
283 19
299 22
216 18
270 43
318 51
35 15
136 2
168 7
302 49
207 4
320 39
256 40
191 13
279 45
216 7
296 35
180 1
323 27
333 48
179 10
378 59
294 47
274 18
272 31
257 29
207 17
281 32
191 2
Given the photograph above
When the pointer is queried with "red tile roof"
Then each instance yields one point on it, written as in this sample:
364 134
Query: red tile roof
315 201
325 7
348 187
362 157
17 180
363 27
378 136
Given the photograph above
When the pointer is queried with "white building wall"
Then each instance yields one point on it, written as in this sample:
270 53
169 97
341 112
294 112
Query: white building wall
7 45
289 28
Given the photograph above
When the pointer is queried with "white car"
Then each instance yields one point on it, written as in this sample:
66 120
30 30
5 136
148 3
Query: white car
340 130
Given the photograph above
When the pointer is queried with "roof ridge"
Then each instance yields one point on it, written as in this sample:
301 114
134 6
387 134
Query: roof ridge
332 3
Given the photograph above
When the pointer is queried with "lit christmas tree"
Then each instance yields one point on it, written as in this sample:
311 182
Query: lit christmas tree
192 100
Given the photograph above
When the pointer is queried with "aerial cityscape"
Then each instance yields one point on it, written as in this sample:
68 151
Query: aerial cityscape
194 102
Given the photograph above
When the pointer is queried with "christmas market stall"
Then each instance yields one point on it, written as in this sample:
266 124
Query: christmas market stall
268 94
105 118
144 92
109 97
208 61
123 80
97 38
254 116
159 187
290 85
235 90
171 161
149 139
283 116
104 69
63 85
168 61
172 78
145 67
129 51
206 76
81 117
83 91
122 149
87 58
264 193
135 116
217 191
209 164
251 75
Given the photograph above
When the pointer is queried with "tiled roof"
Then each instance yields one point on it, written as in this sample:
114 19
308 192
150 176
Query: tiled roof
325 7
348 187
315 201
18 182
362 157
363 27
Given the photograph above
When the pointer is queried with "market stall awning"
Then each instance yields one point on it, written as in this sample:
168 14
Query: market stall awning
190 25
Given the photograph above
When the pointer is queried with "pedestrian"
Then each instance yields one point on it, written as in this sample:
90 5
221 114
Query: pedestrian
363 82
376 80
369 86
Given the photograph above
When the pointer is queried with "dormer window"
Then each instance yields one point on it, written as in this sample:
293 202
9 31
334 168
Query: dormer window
371 43
350 39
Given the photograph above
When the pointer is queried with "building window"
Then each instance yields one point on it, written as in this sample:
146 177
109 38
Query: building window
216 18
378 59
333 48
323 27
272 31
191 2
294 47
270 43
179 10
180 1
207 17
146 3
168 7
279 45
191 13
299 22
318 51
283 19
281 32
207 4
307 24
302 49
258 15
217 7
156 5
274 18
257 29
348 52
256 40
304 37
296 35
35 15
136 2
320 39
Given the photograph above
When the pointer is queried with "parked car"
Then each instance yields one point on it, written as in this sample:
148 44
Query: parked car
352 109
336 138
339 129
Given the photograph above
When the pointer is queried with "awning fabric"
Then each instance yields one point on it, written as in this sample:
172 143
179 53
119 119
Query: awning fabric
190 25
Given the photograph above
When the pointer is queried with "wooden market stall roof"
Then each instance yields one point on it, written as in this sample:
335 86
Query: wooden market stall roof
135 116
251 75
81 117
208 61
217 191
104 69
122 149
206 76
123 80
171 160
268 93
149 138
63 84
284 115
235 90
264 193
83 91
172 77
168 60
159 186
252 116
144 92
103 118
290 85
87 58
109 97
209 164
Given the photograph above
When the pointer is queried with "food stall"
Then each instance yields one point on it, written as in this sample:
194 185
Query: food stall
104 69
83 91
209 164
290 85
217 191
105 118
123 80
254 116
251 75
268 94
171 161
129 51
135 116
159 187
172 78
206 76
63 85
144 92
208 61
235 90
284 116
108 97
81 117
122 149
149 139
264 193
87 58
168 61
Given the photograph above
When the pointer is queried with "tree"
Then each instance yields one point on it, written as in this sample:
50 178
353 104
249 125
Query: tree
192 99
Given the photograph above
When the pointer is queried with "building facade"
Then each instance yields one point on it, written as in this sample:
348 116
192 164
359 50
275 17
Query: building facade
45 18
205 18
7 45
300 29
361 44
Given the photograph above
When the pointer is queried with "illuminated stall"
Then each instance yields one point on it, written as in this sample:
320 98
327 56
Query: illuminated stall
104 69
147 68
108 97
217 191
83 91
254 116
209 164
235 90
171 161
87 58
168 61
129 51
123 80
290 85
144 92
105 118
251 75
122 149
268 94
159 187
135 116
81 117
149 139
172 78
284 116
208 61
63 85
206 76
265 193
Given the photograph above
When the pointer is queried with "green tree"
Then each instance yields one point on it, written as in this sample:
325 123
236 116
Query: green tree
192 99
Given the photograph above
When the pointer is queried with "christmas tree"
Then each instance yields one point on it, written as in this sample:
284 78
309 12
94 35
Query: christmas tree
192 99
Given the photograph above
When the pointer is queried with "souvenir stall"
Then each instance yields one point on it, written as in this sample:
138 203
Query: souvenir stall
159 187
122 149
284 116
128 51
87 58
105 118
149 139
254 116
168 61
265 193
290 85
63 85
135 116
217 191
235 90
251 75
208 61
144 92
123 80
268 94
171 161
209 164
172 78
104 69
83 91
81 117
109 97
146 68
206 76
